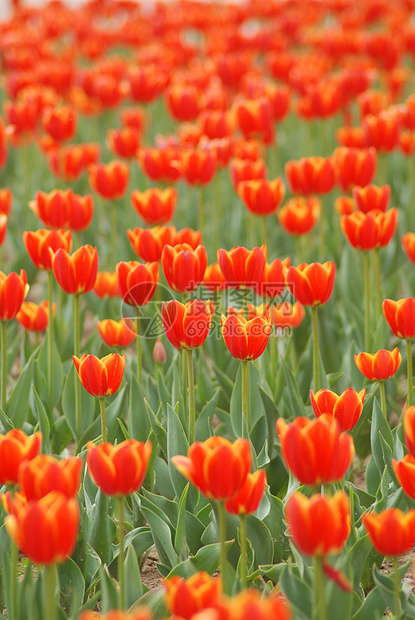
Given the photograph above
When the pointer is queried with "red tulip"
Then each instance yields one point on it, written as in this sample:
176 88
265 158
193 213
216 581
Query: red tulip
400 316
137 283
16 447
378 366
13 290
345 408
76 273
391 532
100 377
184 267
187 325
311 284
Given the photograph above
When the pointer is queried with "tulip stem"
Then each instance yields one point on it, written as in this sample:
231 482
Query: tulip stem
49 592
383 399
191 385
50 339
264 231
77 317
200 213
397 589
121 597
244 552
409 372
378 285
12 607
245 392
367 300
222 541
103 419
139 352
320 609
3 365
316 352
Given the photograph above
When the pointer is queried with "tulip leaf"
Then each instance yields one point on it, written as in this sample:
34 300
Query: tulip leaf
272 415
99 533
379 426
42 366
154 600
43 422
114 411
72 583
297 591
373 477
109 596
387 457
162 484
176 444
138 418
373 606
296 403
256 407
180 543
89 404
18 401
224 381
7 424
159 432
207 558
361 430
260 537
274 520
204 383
272 571
358 556
203 428
162 537
133 585
177 395
386 585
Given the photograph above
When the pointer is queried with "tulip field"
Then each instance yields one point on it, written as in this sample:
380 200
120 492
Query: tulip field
207 310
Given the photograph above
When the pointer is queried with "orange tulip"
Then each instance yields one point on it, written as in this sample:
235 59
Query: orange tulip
6 201
400 316
249 496
183 101
319 525
187 325
246 170
262 197
213 279
366 231
82 212
381 131
137 283
215 124
53 209
71 161
391 532
378 366
353 137
16 447
146 83
217 467
354 167
124 142
109 180
408 245
188 236
60 123
287 315
243 268
372 197
13 290
39 243
159 164
76 273
408 419
311 175
184 267
299 215
156 206
345 408
44 474
116 333
246 339
46 530
106 284
134 118
405 473
34 317
186 597
100 377
121 469
272 282
197 165
249 604
159 353
255 119
311 284
149 243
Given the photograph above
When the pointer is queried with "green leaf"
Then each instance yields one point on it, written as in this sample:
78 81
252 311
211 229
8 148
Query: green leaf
207 558
297 591
71 581
109 596
379 426
133 585
99 534
373 477
118 407
272 571
180 538
296 404
159 432
42 363
162 537
176 444
138 418
260 537
43 422
18 401
373 606
358 556
272 415
255 403
386 585
154 600
203 429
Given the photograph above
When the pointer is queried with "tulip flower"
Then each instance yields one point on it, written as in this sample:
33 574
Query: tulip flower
16 447
381 131
299 215
159 353
124 142
53 209
255 119
159 164
184 267
44 474
186 597
118 471
408 245
379 367
241 268
101 378
116 333
76 273
146 84
408 420
186 327
315 451
249 603
261 197
286 315
310 175
106 284
391 532
312 286
155 206
368 231
213 279
246 170
372 197
141 613
34 317
60 123
400 316
188 236
354 167
149 243
82 212
218 468
345 408
405 473
6 201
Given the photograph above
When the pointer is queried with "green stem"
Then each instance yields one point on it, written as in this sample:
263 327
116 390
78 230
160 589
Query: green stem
200 213
409 372
77 330
320 609
77 239
121 597
50 339
367 301
316 352
264 232
139 352
12 608
3 365
244 552
191 386
397 589
222 541
383 399
245 392
49 592
103 419
378 285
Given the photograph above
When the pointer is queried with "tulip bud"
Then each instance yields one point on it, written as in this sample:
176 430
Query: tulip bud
159 353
